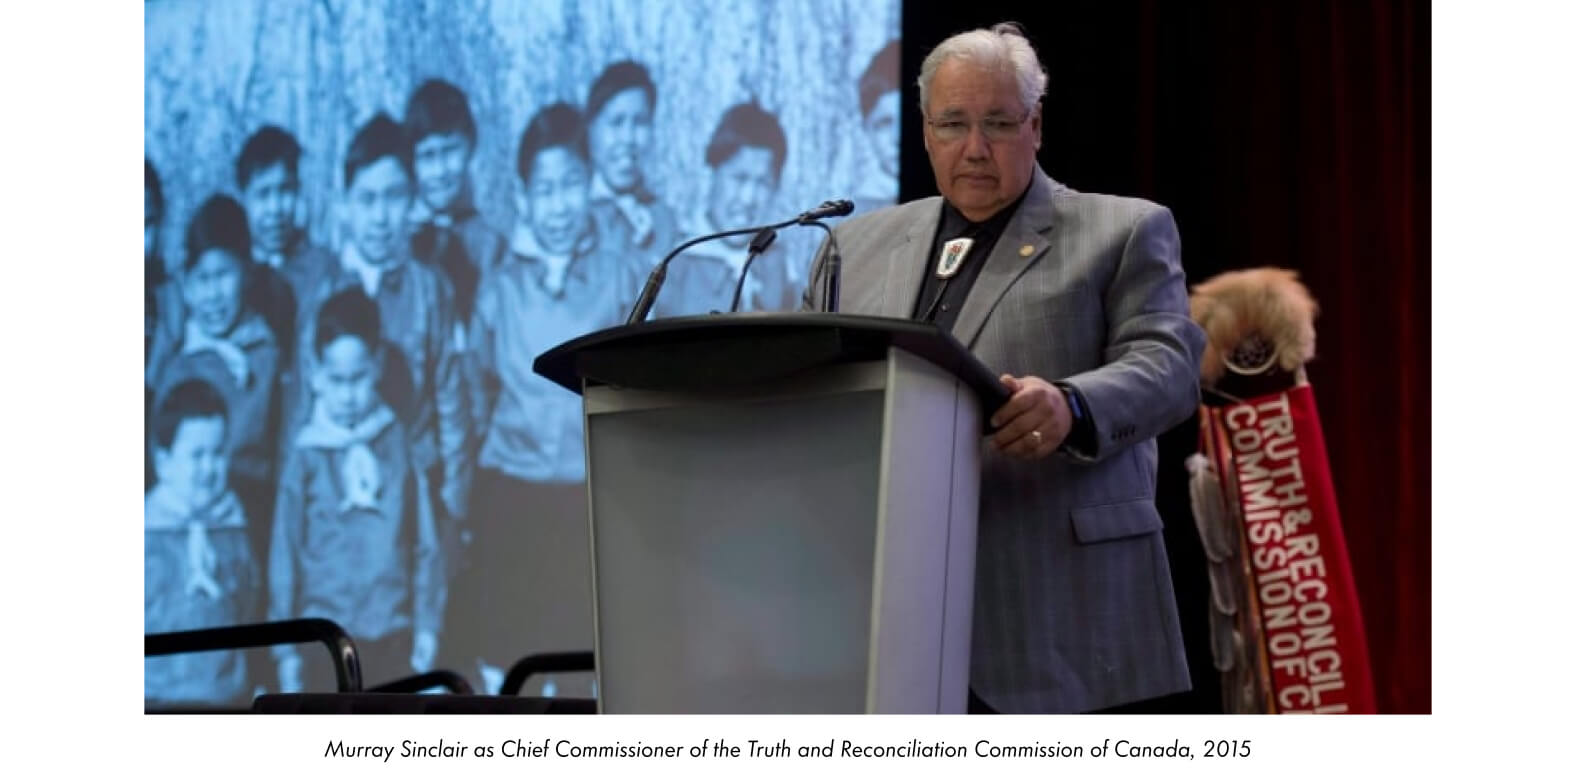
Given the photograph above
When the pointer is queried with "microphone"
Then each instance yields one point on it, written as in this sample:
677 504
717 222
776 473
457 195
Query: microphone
811 218
648 295
832 288
758 244
826 210
832 267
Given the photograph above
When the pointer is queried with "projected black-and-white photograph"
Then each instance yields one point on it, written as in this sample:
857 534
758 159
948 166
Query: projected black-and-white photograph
363 222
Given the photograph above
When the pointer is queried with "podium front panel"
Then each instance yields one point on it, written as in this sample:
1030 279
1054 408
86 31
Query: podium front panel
734 544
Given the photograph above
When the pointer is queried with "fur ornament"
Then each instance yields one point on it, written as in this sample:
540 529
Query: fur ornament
1254 319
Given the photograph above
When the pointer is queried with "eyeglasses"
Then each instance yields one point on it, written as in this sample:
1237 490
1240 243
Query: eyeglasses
995 128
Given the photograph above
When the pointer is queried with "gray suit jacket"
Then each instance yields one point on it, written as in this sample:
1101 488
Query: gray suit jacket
1073 608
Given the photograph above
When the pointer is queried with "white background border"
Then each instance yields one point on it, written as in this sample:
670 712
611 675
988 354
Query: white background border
1502 254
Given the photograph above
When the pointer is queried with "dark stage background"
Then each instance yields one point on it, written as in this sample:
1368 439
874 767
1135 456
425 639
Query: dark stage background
1285 134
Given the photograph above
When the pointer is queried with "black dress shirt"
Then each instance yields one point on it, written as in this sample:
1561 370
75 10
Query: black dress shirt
940 298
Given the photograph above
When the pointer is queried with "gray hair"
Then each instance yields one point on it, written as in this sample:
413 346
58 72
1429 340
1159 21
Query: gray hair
1003 47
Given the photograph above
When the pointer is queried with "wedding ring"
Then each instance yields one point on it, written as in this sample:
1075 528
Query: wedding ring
1036 437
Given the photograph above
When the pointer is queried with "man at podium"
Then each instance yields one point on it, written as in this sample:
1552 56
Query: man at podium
1079 302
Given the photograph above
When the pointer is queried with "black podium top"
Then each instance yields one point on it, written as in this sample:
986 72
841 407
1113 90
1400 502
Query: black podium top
707 351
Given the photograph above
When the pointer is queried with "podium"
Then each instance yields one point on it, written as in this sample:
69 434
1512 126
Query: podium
782 511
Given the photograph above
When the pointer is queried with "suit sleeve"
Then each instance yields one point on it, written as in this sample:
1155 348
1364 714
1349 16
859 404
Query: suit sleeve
1149 381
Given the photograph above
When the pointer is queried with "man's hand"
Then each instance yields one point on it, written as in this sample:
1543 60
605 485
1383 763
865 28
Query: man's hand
1035 420
423 651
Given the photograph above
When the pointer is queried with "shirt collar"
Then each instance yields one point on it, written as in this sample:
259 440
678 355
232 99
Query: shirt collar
371 277
601 190
277 259
552 270
273 259
953 221
164 509
525 245
462 209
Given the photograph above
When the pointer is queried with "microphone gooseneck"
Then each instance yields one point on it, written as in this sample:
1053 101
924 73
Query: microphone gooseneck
758 244
761 241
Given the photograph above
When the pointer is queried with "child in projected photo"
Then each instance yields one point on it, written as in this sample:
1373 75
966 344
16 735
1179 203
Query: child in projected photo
618 125
422 378
224 341
354 539
879 100
562 279
283 257
745 155
198 565
451 234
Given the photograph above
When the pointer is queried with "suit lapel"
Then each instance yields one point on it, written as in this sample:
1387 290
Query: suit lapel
909 262
1026 232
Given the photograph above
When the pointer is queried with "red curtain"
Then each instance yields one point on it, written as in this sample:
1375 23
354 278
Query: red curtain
1334 184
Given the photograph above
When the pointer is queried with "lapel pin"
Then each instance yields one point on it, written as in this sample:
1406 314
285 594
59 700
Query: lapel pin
1025 251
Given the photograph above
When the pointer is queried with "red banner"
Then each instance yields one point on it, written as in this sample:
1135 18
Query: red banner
1269 453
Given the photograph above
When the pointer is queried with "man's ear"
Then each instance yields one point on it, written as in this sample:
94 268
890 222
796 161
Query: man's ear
1034 125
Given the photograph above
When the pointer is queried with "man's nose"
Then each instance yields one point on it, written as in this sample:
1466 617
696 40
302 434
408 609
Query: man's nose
975 147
